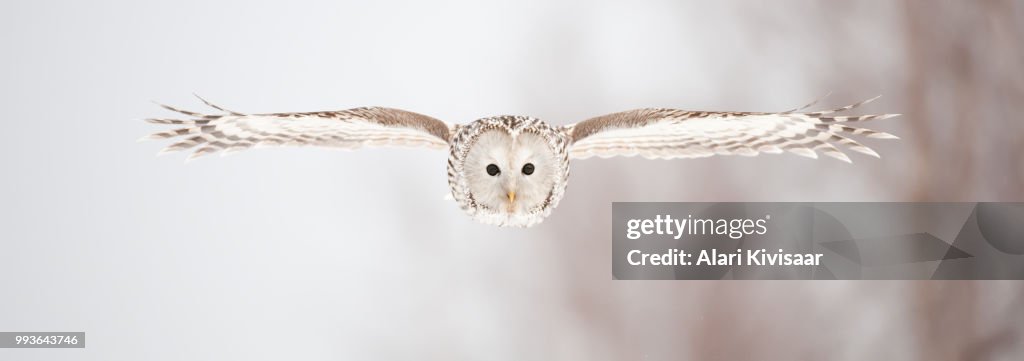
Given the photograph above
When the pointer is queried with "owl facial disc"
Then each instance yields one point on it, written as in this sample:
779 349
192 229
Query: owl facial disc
508 170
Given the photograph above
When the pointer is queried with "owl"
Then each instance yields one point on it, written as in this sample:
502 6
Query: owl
513 170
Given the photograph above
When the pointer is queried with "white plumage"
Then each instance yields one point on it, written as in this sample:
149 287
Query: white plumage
512 170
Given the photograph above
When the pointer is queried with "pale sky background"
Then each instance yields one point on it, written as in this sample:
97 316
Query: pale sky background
317 254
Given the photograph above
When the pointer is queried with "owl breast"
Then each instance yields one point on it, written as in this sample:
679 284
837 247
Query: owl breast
508 170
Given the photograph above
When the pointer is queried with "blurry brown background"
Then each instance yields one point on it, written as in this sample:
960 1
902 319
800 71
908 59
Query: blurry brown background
317 254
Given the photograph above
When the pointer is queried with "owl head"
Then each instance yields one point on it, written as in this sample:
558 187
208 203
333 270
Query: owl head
508 170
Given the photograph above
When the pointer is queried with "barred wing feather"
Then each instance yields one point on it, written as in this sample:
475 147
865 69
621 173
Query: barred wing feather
659 133
349 129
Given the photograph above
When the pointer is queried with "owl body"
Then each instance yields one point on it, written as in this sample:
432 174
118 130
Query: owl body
513 170
532 162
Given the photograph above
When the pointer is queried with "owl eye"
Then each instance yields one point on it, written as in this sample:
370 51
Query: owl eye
493 170
528 169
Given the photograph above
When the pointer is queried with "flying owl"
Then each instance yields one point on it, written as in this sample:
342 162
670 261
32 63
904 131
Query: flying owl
512 170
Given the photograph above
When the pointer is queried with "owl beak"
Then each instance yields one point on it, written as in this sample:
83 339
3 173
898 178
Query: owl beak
511 199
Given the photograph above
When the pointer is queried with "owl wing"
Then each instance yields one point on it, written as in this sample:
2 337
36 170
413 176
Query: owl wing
671 133
349 129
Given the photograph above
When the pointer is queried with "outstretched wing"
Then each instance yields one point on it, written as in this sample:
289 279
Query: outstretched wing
353 128
672 133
